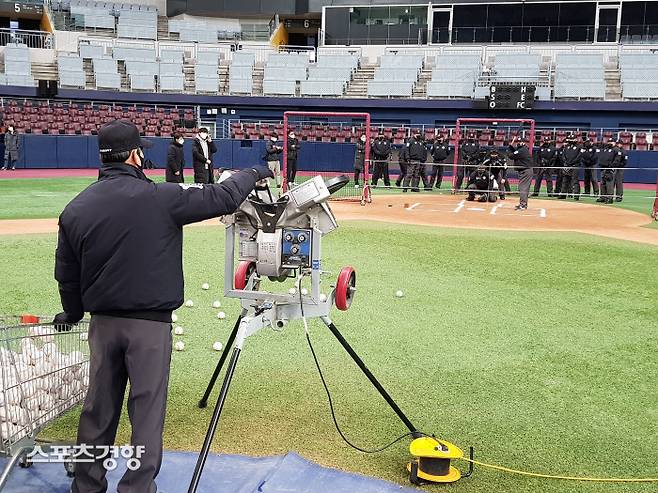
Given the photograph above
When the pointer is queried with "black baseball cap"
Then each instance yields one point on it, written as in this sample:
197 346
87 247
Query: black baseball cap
120 136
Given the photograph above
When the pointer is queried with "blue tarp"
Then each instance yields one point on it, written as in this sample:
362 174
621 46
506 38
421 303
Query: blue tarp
289 473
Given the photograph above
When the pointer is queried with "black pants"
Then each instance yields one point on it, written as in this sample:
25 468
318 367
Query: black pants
413 175
559 174
122 350
435 177
525 180
291 171
590 181
357 175
483 195
381 171
461 171
404 167
503 183
543 174
570 183
607 185
619 183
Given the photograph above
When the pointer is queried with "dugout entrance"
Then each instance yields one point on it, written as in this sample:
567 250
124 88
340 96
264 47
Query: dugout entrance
334 136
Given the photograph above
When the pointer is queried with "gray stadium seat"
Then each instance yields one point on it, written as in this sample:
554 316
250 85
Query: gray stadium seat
91 51
172 56
142 68
171 69
199 34
243 58
69 63
18 67
240 86
240 72
20 80
208 57
322 88
329 73
137 54
284 73
207 84
392 74
108 81
142 82
172 83
388 88
105 66
284 87
452 89
205 70
72 79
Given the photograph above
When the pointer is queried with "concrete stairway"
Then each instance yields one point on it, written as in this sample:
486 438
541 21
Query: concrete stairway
358 86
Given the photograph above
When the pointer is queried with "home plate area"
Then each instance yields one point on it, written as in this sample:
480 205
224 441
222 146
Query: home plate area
499 208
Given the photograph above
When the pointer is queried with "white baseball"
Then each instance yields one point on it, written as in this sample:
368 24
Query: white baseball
292 291
221 315
323 297
216 304
399 293
84 336
217 346
179 346
174 317
205 286
179 331
189 303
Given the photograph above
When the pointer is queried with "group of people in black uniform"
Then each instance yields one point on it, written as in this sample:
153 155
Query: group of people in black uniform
485 169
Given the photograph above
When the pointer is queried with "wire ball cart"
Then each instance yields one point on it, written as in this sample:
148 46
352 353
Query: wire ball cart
44 372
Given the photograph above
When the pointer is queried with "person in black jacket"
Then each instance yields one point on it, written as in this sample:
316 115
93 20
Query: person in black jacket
622 159
417 151
175 160
381 153
403 161
609 159
291 158
203 149
588 160
359 160
273 155
103 267
483 183
520 155
571 157
545 159
469 151
439 152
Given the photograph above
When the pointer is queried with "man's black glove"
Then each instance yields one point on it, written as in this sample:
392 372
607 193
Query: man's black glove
63 322
262 172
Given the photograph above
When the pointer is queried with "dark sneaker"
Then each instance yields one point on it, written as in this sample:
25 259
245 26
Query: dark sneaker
521 208
618 199
535 195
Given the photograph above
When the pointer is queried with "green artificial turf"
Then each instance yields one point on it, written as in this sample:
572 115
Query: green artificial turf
44 197
538 349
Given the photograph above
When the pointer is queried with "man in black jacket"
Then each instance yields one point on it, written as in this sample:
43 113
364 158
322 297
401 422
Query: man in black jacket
403 161
439 151
175 160
571 157
520 154
622 159
272 155
609 158
291 158
545 160
381 152
469 151
417 151
588 159
202 150
119 257
483 183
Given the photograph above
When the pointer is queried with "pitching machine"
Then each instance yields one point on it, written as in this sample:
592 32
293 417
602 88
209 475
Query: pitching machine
280 239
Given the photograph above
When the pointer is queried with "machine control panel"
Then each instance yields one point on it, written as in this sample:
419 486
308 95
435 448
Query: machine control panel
296 248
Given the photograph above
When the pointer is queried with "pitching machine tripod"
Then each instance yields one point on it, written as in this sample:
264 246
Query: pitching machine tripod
282 239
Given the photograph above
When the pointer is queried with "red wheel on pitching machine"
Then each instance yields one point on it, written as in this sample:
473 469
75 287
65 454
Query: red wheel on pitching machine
242 274
345 288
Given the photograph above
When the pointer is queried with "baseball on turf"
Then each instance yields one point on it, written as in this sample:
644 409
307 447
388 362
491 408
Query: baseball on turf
179 331
216 304
304 291
179 346
292 291
323 297
174 317
221 315
189 303
205 285
217 346
399 293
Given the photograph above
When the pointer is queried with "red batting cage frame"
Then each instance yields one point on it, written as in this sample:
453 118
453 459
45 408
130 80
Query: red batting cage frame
362 194
654 213
492 124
